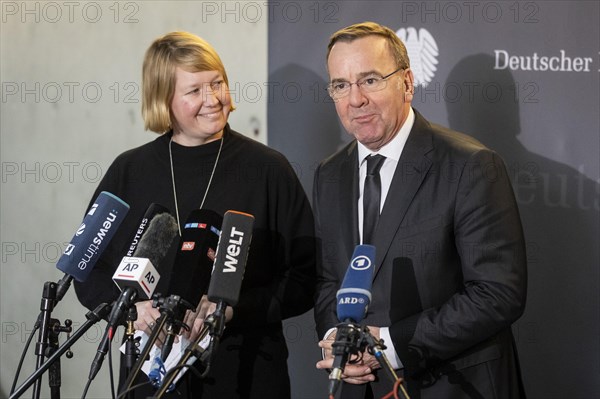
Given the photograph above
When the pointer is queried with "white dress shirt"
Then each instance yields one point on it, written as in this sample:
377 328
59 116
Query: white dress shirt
391 151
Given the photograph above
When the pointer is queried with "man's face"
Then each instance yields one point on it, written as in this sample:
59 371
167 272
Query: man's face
373 118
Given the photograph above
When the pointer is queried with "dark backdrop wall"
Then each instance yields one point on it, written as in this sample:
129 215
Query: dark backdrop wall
522 77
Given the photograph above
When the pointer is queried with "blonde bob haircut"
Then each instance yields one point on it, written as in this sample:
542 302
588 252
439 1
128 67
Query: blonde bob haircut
363 29
165 54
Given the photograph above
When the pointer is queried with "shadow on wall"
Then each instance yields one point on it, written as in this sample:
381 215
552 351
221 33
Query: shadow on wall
558 334
303 123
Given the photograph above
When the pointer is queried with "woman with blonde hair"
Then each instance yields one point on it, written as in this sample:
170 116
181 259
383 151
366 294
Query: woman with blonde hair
198 161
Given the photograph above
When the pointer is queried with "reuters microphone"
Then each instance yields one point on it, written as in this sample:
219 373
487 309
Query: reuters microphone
353 299
91 238
152 211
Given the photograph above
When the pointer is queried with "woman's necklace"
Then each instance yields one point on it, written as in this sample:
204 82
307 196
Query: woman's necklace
173 180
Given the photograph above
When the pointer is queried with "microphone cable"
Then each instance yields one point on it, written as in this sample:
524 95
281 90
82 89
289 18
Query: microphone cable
23 354
109 337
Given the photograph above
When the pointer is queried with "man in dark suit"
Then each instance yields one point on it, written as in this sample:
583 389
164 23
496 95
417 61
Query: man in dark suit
450 275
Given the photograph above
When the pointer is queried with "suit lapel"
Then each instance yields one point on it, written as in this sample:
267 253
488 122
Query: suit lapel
410 173
348 199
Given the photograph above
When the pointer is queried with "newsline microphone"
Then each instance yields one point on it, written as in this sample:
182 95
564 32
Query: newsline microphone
190 275
353 299
137 276
96 230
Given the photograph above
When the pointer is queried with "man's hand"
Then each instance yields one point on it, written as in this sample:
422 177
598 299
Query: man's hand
359 372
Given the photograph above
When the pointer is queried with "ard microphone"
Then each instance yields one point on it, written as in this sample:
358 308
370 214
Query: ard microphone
232 254
354 296
353 299
137 277
91 238
193 266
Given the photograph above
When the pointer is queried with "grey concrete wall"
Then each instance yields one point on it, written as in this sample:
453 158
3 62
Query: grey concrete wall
70 104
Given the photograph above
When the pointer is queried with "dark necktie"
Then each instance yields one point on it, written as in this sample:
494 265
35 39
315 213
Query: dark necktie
371 197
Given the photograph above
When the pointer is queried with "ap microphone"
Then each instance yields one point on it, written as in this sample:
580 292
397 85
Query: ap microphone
193 266
137 276
232 254
353 299
91 238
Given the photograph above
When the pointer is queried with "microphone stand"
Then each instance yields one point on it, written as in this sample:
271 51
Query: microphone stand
131 345
46 307
92 318
168 307
54 374
213 324
376 347
174 325
347 342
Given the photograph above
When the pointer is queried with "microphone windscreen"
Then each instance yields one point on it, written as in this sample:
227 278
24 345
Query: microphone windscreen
157 239
140 271
151 212
193 264
354 296
93 235
232 254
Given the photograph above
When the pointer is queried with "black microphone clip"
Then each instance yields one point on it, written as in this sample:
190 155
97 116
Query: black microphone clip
349 341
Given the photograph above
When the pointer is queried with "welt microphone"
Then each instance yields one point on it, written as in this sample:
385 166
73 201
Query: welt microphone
225 283
91 238
193 266
230 261
353 299
137 276
228 273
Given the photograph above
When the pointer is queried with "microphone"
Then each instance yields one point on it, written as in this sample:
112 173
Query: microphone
136 276
224 289
353 299
91 239
193 266
153 210
230 261
354 296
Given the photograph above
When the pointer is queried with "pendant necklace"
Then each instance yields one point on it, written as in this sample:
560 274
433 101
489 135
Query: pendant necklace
173 180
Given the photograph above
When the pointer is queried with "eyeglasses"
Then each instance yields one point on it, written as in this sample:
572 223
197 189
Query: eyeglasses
368 84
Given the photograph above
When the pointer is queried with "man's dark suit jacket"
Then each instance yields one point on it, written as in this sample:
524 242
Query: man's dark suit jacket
450 275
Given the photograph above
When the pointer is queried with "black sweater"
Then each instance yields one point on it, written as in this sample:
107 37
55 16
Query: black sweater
250 177
279 280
